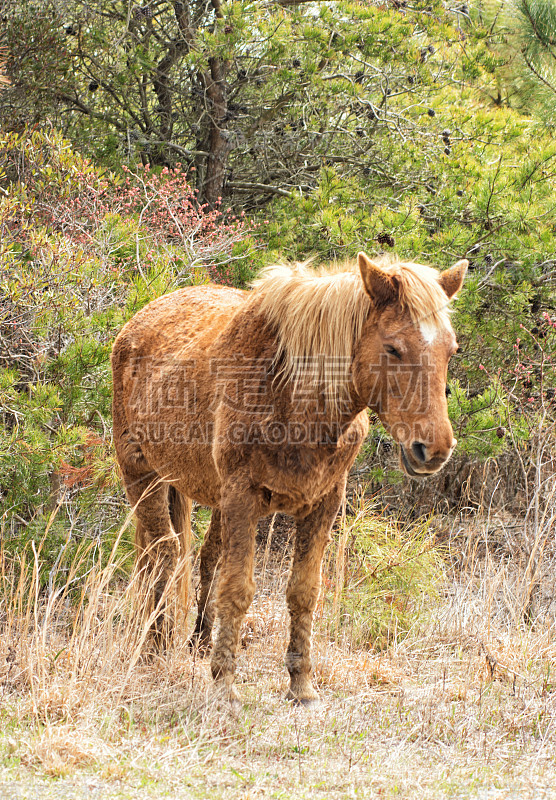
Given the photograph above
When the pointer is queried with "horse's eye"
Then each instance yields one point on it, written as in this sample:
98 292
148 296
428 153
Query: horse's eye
393 352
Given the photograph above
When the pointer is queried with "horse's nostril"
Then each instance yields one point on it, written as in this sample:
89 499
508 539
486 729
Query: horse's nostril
419 451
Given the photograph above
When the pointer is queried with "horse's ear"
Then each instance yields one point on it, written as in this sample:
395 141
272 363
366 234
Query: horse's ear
378 284
451 279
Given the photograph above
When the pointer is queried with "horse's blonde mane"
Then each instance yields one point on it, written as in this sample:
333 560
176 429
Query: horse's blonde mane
319 314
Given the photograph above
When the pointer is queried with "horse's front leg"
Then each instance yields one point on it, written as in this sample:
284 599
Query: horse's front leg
236 587
313 534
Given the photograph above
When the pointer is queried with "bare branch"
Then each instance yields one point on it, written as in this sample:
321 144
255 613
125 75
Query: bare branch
245 186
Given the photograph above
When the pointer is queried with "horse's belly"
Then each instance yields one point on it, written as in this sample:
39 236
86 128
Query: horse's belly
187 466
168 414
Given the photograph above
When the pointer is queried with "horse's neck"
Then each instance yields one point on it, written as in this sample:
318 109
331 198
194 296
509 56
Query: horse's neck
307 405
247 337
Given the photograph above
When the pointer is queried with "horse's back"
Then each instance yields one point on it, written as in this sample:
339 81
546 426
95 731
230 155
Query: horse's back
172 324
162 392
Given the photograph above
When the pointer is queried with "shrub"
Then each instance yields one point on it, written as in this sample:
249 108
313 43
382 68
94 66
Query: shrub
80 252
381 576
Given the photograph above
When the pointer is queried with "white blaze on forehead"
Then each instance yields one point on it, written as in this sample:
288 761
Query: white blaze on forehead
430 330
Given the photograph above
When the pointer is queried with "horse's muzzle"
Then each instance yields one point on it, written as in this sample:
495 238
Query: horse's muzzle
416 464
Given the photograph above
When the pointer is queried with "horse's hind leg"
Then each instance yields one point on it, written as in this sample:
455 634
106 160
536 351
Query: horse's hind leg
313 534
161 549
210 555
163 524
180 517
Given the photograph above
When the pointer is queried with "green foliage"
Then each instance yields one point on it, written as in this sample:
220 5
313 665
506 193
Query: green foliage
489 199
478 420
520 53
248 97
414 130
387 577
79 255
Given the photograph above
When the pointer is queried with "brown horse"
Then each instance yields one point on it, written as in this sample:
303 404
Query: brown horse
256 402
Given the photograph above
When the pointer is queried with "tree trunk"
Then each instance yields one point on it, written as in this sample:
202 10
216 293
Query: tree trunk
218 144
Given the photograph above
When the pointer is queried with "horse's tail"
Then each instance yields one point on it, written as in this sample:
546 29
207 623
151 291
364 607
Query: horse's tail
180 515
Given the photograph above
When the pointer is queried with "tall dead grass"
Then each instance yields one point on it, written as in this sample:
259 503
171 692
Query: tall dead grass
78 635
469 676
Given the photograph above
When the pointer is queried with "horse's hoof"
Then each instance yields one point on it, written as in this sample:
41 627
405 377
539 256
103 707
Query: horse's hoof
201 647
235 706
308 702
228 699
155 647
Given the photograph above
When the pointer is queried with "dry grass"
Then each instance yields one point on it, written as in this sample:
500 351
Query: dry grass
463 706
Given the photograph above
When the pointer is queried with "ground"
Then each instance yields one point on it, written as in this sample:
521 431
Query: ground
462 705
